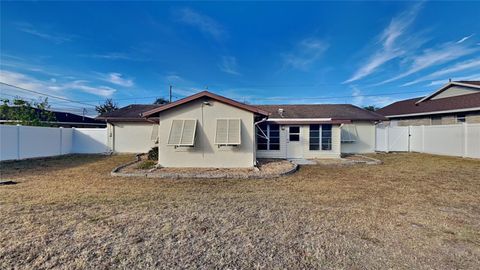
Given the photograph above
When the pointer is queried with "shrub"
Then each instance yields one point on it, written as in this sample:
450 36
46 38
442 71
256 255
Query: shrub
153 153
146 164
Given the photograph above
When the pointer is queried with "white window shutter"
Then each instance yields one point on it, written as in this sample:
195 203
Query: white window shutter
175 132
234 135
188 134
221 135
182 132
228 132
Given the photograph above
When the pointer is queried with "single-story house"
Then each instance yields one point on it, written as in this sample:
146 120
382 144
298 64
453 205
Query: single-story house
455 102
208 130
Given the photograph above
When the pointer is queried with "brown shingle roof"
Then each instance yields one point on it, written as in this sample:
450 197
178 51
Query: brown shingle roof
409 106
334 111
470 82
129 113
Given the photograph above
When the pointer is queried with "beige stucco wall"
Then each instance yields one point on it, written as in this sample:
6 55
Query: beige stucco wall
304 133
455 91
130 137
205 153
365 141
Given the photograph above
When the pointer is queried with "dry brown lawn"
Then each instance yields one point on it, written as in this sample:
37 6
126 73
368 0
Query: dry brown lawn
414 211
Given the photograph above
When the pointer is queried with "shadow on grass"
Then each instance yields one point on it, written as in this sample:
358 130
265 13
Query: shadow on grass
34 166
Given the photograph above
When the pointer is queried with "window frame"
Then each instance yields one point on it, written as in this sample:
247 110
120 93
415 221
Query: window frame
463 116
319 144
268 132
294 134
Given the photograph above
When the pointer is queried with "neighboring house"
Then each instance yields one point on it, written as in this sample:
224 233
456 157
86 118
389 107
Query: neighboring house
208 130
130 132
455 102
63 119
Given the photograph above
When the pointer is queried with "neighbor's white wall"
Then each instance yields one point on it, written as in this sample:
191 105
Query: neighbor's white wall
305 138
365 142
90 140
131 137
205 153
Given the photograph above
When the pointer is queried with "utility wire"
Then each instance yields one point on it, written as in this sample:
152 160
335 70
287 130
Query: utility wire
47 95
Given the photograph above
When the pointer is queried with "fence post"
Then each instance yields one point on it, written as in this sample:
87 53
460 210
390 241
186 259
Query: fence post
423 138
465 139
61 140
18 141
387 142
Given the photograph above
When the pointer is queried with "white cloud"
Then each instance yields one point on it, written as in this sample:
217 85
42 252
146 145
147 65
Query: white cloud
432 57
390 49
448 72
305 54
53 37
229 65
464 39
118 79
475 77
359 99
111 56
49 86
203 22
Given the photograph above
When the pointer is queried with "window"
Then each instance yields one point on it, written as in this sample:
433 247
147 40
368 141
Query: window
320 136
436 120
314 137
228 132
182 133
349 133
326 137
294 134
268 137
461 118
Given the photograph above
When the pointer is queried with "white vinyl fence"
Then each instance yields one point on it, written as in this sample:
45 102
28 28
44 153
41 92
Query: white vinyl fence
461 140
20 142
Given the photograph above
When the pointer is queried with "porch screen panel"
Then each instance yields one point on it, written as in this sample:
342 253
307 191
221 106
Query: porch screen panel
326 137
320 137
314 143
272 142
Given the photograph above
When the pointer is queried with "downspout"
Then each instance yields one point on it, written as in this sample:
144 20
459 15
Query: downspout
255 136
341 125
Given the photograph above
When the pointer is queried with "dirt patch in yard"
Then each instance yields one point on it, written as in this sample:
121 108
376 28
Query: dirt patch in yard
415 211
267 168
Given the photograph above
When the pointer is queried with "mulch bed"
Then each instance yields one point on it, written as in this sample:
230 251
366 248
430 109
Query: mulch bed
267 168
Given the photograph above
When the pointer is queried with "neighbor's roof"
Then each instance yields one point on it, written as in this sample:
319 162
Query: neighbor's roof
63 117
426 105
225 100
333 111
410 106
129 113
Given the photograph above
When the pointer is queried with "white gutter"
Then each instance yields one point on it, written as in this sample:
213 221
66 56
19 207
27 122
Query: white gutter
298 119
436 112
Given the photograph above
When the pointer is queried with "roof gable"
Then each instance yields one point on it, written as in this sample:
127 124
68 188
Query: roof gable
202 94
466 84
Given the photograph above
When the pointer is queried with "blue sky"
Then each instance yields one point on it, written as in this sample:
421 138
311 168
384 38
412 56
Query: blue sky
364 53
